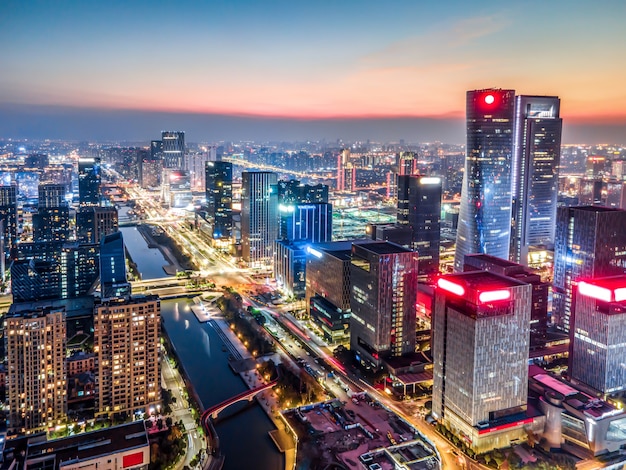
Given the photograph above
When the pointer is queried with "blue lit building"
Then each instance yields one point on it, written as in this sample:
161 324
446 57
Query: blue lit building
219 197
113 280
290 267
312 222
485 212
89 178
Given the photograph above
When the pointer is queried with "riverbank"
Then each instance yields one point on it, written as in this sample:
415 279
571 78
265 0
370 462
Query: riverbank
268 400
174 266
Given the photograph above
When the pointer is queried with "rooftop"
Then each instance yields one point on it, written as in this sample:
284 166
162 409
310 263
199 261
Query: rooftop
492 259
482 280
384 248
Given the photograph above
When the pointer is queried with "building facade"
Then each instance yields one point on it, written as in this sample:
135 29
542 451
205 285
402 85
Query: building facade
536 158
590 242
419 207
383 293
173 148
219 198
126 344
36 372
259 217
89 179
480 343
485 212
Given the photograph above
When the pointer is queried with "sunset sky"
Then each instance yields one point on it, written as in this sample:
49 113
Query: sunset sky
312 60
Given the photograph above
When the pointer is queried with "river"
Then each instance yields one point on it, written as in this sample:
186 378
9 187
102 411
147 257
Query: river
242 428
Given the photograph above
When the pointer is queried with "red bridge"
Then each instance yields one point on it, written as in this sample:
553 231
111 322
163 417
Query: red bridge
245 395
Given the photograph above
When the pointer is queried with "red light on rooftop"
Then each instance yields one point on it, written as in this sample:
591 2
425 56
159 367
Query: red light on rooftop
493 296
450 286
596 292
620 294
489 99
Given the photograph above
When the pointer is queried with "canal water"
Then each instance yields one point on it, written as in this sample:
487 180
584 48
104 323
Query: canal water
149 261
243 428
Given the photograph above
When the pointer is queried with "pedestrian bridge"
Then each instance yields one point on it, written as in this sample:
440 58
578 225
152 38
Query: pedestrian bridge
213 411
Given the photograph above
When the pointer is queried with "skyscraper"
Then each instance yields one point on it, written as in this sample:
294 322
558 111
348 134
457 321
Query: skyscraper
407 163
93 222
8 216
419 207
382 298
51 222
306 222
590 242
259 217
536 157
173 149
598 350
35 341
480 334
219 198
113 279
485 213
89 176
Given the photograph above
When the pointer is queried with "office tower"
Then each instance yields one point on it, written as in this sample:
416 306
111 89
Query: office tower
419 207
395 233
342 161
113 280
598 349
259 217
590 192
37 160
219 198
51 222
328 288
94 222
480 334
194 165
78 264
35 341
126 343
35 280
536 158
519 272
8 216
407 164
290 267
176 189
590 242
485 213
306 222
89 176
596 166
173 149
383 279
156 150
293 192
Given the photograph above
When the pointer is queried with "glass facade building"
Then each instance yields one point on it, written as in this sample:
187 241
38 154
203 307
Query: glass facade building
590 242
485 212
383 293
419 207
536 158
113 279
259 217
173 148
89 178
219 198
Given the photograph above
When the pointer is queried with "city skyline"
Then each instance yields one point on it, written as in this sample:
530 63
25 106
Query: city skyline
323 70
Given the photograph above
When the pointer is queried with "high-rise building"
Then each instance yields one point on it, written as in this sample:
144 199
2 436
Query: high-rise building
598 348
173 149
94 222
35 280
480 343
113 279
407 163
36 376
8 216
383 293
485 213
151 166
176 188
293 192
126 344
219 197
290 267
195 166
306 222
519 272
51 222
89 177
328 288
590 242
259 217
419 207
535 178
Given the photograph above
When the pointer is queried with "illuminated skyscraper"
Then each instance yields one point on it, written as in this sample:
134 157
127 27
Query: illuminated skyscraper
407 164
485 213
51 222
480 342
419 207
93 222
89 176
383 293
590 242
536 157
219 198
8 215
259 217
113 280
173 149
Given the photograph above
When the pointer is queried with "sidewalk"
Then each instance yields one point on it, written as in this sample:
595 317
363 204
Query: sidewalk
267 399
